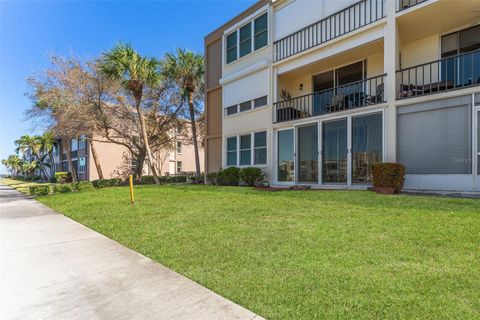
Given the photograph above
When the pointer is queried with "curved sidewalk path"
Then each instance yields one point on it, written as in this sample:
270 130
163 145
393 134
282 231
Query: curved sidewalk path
52 267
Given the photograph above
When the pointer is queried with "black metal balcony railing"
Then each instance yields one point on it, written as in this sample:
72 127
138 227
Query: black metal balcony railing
445 74
340 23
405 4
353 95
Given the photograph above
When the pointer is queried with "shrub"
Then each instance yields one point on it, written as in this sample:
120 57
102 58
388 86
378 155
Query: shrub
62 188
197 179
115 182
229 177
61 177
36 178
251 175
82 186
39 190
148 180
103 183
212 178
388 175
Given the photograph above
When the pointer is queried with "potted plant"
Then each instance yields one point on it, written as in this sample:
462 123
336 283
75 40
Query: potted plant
388 178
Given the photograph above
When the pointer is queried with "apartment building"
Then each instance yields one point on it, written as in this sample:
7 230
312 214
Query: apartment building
116 159
314 92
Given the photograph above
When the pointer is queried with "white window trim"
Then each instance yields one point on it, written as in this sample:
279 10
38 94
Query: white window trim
236 28
252 149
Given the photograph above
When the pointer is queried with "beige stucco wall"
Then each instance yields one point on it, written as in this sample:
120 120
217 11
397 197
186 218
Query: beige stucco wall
111 158
420 51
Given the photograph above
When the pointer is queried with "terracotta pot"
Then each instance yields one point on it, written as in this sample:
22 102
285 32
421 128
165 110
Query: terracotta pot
384 190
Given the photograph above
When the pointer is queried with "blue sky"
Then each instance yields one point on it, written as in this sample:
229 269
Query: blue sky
31 31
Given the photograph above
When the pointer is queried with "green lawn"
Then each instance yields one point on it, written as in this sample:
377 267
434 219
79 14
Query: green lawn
302 254
22 186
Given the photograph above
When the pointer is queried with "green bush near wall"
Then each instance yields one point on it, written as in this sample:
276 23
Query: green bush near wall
62 188
251 175
61 177
104 183
82 186
229 177
39 190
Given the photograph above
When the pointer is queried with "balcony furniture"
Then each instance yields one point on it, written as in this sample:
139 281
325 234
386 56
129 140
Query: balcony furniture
349 96
411 90
453 72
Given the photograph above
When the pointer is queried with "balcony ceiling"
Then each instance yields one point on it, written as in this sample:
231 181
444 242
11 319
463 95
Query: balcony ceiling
335 61
436 18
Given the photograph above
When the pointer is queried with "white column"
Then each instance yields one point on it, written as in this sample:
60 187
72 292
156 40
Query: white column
390 66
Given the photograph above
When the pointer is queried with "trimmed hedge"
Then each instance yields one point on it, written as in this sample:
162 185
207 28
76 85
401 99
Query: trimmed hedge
388 175
62 188
103 183
83 186
228 177
164 179
212 178
39 190
61 177
251 175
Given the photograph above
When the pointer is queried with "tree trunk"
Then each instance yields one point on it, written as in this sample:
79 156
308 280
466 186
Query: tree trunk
70 162
139 168
52 164
145 141
42 167
95 159
194 133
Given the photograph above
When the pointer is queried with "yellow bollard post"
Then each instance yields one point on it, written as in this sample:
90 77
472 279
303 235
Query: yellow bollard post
132 198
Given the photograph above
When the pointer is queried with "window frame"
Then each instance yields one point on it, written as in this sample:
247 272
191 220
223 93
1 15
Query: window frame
253 35
82 168
255 148
249 149
177 166
231 151
178 149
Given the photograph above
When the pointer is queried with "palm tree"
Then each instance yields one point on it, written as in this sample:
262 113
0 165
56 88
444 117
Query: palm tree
13 164
123 63
32 144
186 68
48 143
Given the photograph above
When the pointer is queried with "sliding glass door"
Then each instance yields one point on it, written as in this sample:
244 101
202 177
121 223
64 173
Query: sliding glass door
307 150
367 146
334 151
286 156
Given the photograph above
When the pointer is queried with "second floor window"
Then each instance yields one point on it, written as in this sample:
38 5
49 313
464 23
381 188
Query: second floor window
179 147
249 37
82 143
74 144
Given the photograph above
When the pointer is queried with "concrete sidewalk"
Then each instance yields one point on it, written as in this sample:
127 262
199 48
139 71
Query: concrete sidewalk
54 268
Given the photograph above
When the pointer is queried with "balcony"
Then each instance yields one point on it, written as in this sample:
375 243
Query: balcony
338 24
455 72
346 97
406 4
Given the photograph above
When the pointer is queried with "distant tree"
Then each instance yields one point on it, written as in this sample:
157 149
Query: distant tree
73 97
33 145
124 64
186 69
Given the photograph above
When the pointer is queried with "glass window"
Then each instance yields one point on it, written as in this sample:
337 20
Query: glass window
232 151
260 102
366 146
179 166
74 144
261 31
334 151
82 143
469 39
245 106
245 39
286 165
260 147
307 163
245 150
232 47
179 147
81 165
231 110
